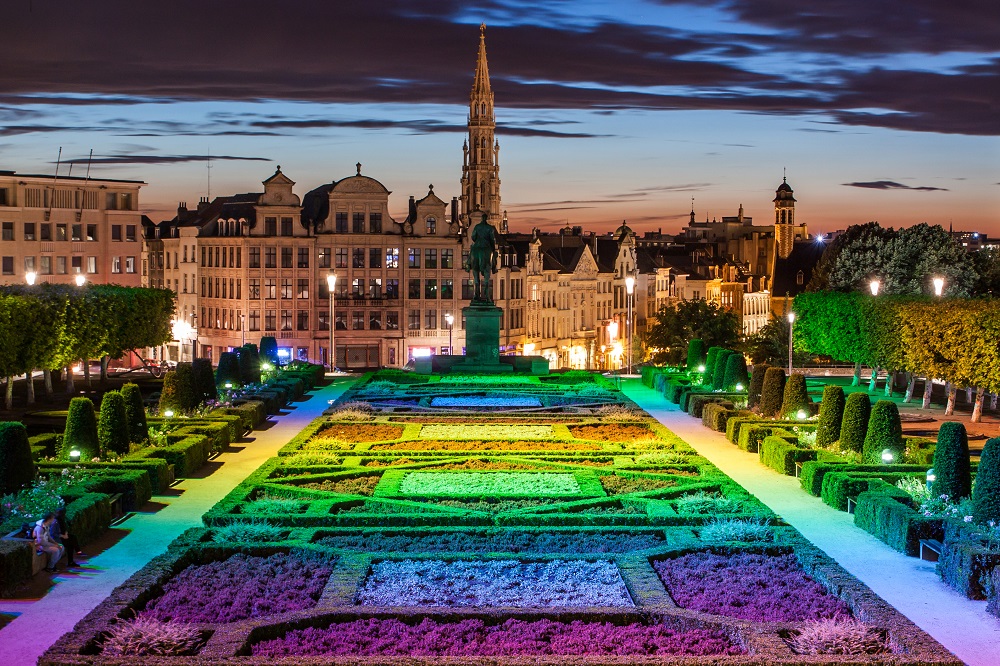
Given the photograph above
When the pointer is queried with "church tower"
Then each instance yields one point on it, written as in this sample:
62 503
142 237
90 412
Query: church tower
784 219
481 163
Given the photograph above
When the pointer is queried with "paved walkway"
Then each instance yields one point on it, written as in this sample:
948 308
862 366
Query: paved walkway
43 621
909 584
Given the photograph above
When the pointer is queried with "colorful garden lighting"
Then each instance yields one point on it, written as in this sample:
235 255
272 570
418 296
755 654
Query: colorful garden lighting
228 385
739 387
938 286
874 285
701 368
81 279
931 478
888 456
74 455
169 413
30 277
801 414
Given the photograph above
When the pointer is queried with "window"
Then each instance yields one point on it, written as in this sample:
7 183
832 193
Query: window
60 232
302 320
286 287
303 290
431 225
8 231
447 258
127 201
286 320
254 293
91 264
270 257
111 201
430 289
323 320
413 322
45 232
800 277
46 268
413 257
269 320
29 231
448 288
375 223
466 289
375 288
286 257
270 289
324 257
77 230
341 219
130 236
341 321
430 258
357 285
29 264
254 320
130 267
92 232
254 257
116 264
358 223
358 320
392 320
413 291
341 257
392 257
61 265
116 232
286 226
392 288
374 257
270 226
374 320
8 265
430 319
358 258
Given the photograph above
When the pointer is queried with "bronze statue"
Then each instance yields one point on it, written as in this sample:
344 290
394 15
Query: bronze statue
482 260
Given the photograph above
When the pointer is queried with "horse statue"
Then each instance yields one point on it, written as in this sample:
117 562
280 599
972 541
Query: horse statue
482 260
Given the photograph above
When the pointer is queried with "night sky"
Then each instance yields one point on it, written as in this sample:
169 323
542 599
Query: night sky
880 110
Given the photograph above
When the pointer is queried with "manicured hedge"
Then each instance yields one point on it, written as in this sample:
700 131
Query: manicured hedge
756 385
840 486
15 564
135 414
252 413
45 445
986 498
81 430
228 370
736 374
857 412
16 466
813 472
781 455
112 426
888 514
187 453
885 433
695 354
772 392
831 416
89 516
967 563
795 397
717 415
952 467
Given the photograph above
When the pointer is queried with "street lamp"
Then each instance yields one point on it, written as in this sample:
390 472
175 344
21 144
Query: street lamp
81 279
331 283
874 286
30 277
194 334
791 322
451 321
243 328
612 334
629 289
938 286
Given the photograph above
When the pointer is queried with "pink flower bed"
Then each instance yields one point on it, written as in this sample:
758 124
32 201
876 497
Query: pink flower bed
240 587
748 586
392 637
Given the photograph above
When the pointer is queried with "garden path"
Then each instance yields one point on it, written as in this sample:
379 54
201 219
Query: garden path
43 621
909 584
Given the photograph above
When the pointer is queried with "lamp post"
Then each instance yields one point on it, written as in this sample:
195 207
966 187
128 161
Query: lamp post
874 285
629 289
612 334
331 283
194 340
30 278
451 321
81 279
243 328
791 322
938 286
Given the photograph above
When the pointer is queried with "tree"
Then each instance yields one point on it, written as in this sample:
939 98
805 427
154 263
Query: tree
918 254
952 468
756 385
986 496
112 427
853 258
228 370
736 378
986 263
674 327
831 416
772 391
17 469
695 354
135 414
81 430
795 397
854 426
719 371
179 392
203 376
885 433
249 364
269 350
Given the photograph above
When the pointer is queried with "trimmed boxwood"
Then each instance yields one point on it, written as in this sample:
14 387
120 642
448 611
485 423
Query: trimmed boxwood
187 453
180 393
885 433
831 416
887 512
854 426
795 397
967 563
710 358
756 385
112 427
45 445
81 430
772 391
249 364
719 372
15 564
204 380
269 350
781 455
815 471
840 486
952 467
89 516
986 498
135 414
695 354
228 370
17 469
736 373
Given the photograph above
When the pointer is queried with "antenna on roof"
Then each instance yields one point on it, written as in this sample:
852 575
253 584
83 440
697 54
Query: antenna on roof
208 169
89 160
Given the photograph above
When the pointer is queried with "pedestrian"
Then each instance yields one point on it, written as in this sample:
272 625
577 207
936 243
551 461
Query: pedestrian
44 543
61 535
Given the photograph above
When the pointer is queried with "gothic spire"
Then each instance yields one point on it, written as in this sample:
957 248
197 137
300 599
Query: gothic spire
481 82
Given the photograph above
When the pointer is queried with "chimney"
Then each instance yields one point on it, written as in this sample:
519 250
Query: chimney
454 210
182 208
202 203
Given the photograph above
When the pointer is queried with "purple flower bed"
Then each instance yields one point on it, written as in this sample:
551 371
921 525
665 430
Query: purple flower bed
748 586
240 587
392 637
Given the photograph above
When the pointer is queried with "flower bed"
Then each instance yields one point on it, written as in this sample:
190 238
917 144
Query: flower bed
492 380
748 586
479 431
489 402
469 638
360 432
361 485
495 506
493 484
492 446
551 584
611 432
240 587
495 541
619 485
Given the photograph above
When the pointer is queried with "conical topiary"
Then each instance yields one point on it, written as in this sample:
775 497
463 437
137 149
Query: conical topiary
885 435
112 426
719 373
756 385
737 378
81 430
772 391
179 393
710 357
795 402
269 350
986 496
952 468
854 426
17 469
249 364
203 378
831 415
228 371
696 354
135 414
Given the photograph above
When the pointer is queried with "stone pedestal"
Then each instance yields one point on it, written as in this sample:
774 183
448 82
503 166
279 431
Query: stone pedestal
482 334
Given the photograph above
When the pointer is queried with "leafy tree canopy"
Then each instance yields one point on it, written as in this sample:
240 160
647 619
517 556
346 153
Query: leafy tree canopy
675 326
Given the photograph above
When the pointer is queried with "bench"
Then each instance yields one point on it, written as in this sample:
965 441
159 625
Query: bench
117 511
38 562
851 504
930 549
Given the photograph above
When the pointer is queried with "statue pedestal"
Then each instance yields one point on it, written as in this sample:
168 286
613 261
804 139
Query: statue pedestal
482 340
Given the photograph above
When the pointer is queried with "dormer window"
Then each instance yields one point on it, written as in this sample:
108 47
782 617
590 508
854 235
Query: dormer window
431 225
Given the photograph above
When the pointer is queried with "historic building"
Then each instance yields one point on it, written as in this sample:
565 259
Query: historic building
57 228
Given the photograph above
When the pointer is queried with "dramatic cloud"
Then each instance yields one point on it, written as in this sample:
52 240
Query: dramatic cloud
161 159
893 185
414 126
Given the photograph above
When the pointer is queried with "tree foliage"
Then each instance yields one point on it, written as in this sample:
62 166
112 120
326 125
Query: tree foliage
17 469
831 416
112 426
674 327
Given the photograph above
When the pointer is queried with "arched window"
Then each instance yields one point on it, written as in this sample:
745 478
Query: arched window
800 277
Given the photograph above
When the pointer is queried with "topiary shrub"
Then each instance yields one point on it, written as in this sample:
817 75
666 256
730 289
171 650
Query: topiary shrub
228 370
135 414
179 393
986 497
885 433
249 364
952 468
112 426
736 373
16 466
204 380
795 397
756 385
269 350
710 358
854 426
696 354
719 372
831 415
81 430
772 391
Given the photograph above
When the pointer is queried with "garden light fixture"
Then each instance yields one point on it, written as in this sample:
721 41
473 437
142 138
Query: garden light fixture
931 478
801 414
228 385
791 322
701 368
30 277
74 455
938 286
874 285
451 323
169 413
888 456
81 280
739 387
331 283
